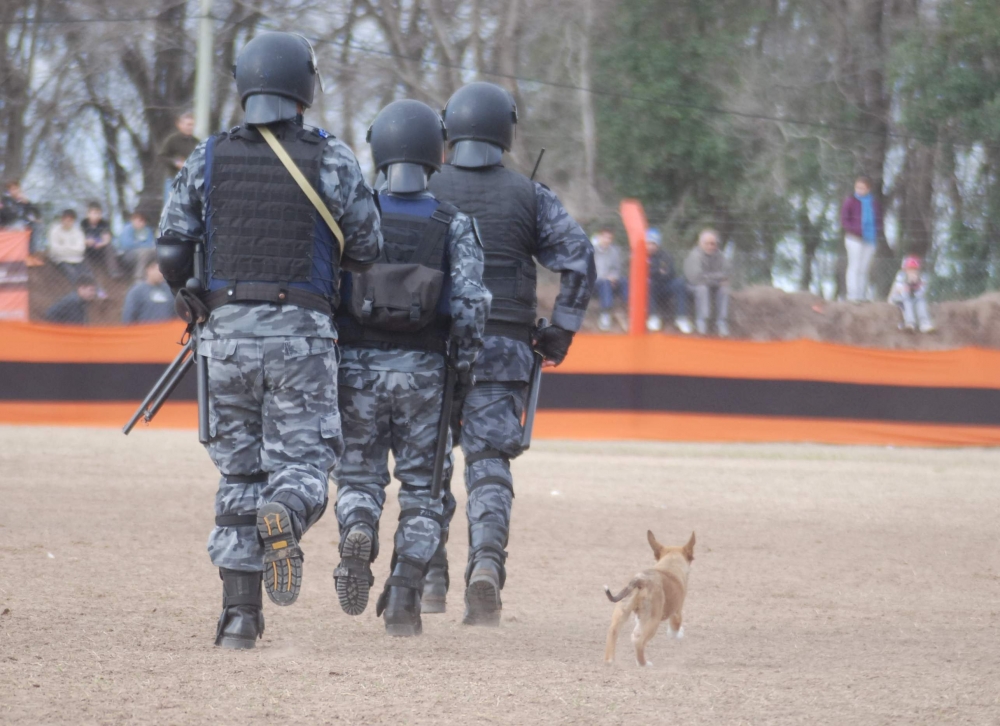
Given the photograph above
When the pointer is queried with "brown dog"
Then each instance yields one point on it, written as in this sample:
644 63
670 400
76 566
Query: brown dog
657 594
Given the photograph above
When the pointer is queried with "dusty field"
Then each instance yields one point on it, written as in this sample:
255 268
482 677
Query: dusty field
845 586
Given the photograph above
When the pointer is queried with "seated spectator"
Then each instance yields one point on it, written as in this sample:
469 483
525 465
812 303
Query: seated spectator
134 239
707 272
149 300
665 286
72 309
610 282
67 247
910 293
97 233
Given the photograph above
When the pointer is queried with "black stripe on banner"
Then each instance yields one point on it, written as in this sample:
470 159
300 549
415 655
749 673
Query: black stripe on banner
797 399
81 382
86 382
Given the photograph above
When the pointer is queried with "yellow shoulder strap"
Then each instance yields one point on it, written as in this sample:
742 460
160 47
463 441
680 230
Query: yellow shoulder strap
304 185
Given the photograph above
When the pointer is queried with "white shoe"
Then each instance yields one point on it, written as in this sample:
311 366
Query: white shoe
604 322
722 328
684 325
654 324
927 328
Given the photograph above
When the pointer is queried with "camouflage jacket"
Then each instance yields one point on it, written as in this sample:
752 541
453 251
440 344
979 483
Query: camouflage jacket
470 307
562 247
341 185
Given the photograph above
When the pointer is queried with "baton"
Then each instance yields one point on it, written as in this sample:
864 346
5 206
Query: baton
444 426
537 162
533 390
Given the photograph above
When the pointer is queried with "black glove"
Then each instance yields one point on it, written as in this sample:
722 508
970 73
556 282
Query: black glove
553 343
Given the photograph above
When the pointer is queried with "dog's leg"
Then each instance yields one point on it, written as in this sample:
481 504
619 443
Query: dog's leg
617 618
676 625
643 633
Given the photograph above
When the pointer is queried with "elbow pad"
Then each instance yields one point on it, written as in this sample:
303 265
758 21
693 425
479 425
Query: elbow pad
176 259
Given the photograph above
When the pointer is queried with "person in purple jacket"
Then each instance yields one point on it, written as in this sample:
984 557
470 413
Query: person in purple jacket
861 220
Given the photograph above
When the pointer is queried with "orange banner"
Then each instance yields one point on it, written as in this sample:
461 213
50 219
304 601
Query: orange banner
44 365
14 274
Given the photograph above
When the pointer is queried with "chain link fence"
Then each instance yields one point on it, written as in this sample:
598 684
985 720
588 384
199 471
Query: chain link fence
116 282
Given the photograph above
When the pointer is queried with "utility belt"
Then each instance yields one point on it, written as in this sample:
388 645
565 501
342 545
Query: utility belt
268 292
514 331
433 338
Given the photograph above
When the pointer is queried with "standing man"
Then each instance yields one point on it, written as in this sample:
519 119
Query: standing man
520 221
176 149
424 300
273 266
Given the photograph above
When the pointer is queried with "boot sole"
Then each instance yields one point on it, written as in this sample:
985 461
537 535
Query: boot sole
282 574
403 630
236 644
353 591
432 605
482 605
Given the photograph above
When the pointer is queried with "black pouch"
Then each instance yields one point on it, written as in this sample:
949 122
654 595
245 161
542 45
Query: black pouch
189 307
400 298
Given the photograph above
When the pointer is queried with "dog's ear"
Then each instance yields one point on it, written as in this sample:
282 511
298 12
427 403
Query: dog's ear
657 547
689 549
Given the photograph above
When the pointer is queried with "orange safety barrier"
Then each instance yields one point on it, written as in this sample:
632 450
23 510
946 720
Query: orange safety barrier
14 274
653 387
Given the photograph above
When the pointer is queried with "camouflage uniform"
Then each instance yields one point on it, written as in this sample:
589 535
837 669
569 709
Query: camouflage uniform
492 411
390 399
274 422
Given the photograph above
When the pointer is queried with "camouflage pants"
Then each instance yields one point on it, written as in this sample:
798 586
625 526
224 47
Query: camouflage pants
491 437
275 434
385 411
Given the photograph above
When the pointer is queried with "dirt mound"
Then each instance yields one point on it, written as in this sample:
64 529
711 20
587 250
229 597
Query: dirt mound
767 313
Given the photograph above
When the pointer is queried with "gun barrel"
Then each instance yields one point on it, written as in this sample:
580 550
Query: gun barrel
168 380
168 388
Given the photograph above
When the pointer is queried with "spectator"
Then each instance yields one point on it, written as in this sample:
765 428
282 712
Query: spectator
861 220
97 233
72 309
133 241
67 246
149 300
610 282
176 149
665 286
909 293
16 211
707 272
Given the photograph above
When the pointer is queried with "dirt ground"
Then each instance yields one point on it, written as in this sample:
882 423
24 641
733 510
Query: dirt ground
830 585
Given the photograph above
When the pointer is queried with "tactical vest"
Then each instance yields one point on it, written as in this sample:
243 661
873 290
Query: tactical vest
266 242
404 299
504 206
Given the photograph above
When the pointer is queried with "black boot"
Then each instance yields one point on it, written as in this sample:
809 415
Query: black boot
353 576
400 601
485 574
282 554
436 580
242 619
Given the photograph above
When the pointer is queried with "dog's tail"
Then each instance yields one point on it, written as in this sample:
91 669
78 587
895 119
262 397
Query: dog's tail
636 583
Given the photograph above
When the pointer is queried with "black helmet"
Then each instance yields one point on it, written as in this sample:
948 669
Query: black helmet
274 73
407 132
481 112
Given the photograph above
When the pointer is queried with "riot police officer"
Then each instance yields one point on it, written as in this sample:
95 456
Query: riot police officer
422 301
520 222
272 267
